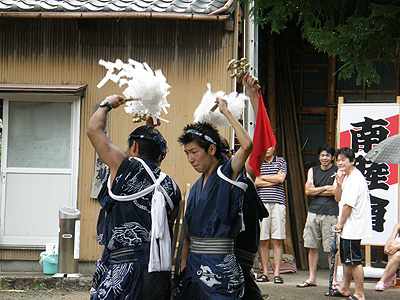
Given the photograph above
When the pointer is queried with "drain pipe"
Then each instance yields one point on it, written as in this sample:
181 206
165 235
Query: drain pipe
114 15
222 9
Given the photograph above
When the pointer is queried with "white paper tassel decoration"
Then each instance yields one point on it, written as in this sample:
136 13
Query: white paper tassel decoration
148 88
203 113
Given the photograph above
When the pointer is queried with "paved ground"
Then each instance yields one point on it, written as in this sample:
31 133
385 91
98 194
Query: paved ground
45 295
287 291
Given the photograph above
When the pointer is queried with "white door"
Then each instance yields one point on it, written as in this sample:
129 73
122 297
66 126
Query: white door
39 165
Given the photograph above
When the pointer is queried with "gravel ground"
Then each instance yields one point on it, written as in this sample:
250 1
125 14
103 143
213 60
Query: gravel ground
274 292
44 295
79 290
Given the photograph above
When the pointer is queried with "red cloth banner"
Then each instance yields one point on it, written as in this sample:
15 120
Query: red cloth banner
263 137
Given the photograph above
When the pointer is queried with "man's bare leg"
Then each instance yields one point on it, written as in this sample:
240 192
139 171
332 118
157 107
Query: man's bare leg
345 287
358 276
263 251
278 252
313 257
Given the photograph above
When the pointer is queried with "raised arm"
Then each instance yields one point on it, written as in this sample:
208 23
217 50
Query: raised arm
249 82
338 190
246 144
110 154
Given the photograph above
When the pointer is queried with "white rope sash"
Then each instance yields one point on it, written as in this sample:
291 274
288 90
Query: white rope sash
160 245
238 184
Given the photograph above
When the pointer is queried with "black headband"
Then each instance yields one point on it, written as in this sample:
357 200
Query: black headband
158 140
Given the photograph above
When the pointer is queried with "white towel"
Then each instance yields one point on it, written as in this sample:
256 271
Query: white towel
160 247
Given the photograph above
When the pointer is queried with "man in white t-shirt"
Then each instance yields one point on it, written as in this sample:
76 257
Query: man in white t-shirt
355 222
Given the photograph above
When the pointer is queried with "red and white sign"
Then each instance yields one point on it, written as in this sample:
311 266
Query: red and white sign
362 127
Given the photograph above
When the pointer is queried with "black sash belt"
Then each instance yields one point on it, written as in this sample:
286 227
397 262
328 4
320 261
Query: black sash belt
245 258
211 245
127 255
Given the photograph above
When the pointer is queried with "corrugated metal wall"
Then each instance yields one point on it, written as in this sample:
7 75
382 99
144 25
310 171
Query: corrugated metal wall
61 51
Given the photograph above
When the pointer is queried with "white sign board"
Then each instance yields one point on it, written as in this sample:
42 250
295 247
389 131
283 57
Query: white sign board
361 127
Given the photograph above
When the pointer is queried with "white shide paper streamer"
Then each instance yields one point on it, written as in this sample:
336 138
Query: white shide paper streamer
236 103
148 88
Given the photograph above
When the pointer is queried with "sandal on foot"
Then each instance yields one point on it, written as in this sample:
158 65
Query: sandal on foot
390 281
263 278
335 293
305 284
334 287
278 280
380 286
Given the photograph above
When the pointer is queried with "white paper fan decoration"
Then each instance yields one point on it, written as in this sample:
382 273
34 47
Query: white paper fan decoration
148 88
203 113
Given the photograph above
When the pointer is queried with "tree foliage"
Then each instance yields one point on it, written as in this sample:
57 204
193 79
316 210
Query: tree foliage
357 32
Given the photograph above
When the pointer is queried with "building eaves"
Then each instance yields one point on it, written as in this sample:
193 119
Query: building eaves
194 7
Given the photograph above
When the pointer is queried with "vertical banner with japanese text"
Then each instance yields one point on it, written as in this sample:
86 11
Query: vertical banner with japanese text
361 127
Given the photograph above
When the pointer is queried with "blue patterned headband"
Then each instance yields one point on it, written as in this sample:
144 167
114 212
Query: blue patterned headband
205 136
158 140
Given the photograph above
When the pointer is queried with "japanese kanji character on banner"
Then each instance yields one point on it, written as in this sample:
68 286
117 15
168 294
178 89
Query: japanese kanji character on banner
361 127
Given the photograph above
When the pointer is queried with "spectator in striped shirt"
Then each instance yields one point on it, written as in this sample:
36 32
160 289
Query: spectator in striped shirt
271 190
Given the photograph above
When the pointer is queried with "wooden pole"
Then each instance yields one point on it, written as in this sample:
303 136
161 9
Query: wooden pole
368 255
330 117
271 99
290 145
340 102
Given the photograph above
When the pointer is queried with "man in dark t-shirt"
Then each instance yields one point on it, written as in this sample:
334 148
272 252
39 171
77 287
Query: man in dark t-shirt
322 212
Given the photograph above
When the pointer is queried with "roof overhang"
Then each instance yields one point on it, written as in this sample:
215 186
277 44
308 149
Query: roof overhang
114 15
23 88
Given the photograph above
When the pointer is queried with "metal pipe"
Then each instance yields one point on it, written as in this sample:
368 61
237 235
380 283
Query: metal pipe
114 15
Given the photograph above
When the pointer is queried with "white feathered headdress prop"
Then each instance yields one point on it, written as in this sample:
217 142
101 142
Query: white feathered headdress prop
147 88
204 113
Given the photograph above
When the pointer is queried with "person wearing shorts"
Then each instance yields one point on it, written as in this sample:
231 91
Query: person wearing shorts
355 222
271 190
322 212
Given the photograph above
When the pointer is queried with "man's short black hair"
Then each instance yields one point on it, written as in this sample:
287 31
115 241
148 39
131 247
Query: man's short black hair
147 148
327 148
206 131
346 152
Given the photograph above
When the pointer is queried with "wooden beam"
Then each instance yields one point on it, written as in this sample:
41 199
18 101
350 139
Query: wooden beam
368 91
289 143
398 75
330 116
271 81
